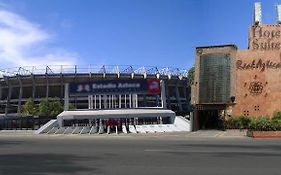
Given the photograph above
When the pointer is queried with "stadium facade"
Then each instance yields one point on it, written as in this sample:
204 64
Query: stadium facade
19 84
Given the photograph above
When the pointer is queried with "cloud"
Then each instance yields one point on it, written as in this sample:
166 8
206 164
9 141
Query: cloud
23 43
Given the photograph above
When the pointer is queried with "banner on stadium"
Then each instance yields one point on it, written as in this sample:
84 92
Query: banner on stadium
149 86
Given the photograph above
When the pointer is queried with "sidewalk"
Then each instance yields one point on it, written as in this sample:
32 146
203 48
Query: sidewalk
217 133
196 134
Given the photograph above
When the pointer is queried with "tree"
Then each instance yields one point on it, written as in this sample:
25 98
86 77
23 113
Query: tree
50 108
191 72
30 108
55 107
44 107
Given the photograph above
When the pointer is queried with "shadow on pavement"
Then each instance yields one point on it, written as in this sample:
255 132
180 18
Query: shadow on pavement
8 143
226 154
26 164
227 146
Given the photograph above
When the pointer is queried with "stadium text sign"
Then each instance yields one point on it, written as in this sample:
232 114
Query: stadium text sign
150 86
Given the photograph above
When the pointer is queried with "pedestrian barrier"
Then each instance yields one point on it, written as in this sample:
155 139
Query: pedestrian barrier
77 130
180 124
93 130
101 129
85 130
53 130
61 130
69 130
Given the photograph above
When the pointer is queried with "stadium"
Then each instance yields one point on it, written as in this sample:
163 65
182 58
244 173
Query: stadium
17 85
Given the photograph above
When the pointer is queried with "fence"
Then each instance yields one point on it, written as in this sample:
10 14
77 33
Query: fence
23 123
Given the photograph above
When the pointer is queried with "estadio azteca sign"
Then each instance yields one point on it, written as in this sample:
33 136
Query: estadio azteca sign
150 86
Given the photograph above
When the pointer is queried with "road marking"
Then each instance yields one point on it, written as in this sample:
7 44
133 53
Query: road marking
210 151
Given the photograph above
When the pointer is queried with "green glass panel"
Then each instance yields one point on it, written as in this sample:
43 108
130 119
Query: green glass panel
214 78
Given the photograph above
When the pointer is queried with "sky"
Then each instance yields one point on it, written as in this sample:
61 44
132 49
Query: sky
161 33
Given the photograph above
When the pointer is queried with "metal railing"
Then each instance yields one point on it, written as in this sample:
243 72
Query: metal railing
93 69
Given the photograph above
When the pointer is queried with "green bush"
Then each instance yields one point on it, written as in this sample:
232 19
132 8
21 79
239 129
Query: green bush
255 124
261 124
276 125
240 122
243 122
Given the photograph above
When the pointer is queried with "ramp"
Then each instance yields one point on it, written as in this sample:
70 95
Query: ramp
182 124
47 127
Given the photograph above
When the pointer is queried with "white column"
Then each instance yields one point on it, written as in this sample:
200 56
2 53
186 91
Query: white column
120 101
90 101
130 100
66 97
135 100
163 94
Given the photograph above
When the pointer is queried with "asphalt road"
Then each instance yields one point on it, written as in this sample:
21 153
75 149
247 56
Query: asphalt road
139 156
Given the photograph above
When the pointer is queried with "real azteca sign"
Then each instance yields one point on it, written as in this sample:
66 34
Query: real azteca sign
257 64
151 86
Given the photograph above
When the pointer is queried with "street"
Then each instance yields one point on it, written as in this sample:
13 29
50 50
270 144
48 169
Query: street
138 155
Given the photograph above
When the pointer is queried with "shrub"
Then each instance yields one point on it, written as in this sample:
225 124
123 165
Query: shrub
276 125
240 122
243 122
261 124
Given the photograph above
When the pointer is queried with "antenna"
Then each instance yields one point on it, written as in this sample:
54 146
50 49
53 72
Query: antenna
257 13
278 12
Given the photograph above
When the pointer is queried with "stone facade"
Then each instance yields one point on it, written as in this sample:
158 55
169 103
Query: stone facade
258 71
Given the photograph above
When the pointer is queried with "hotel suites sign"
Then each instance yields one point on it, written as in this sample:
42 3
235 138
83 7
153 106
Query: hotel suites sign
150 86
265 39
268 39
